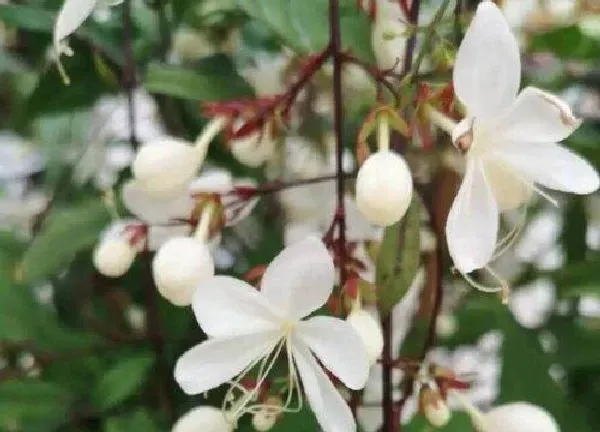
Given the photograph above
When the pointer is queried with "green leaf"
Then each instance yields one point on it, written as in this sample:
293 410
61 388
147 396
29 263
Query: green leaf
139 420
27 18
526 375
214 80
567 43
32 401
580 278
398 259
66 232
303 25
122 381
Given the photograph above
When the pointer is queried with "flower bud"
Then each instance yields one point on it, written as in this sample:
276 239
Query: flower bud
519 417
166 166
253 150
264 420
434 408
388 41
203 418
179 265
384 188
113 256
369 331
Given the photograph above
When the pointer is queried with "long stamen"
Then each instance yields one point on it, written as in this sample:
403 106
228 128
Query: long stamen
474 413
512 236
234 407
503 286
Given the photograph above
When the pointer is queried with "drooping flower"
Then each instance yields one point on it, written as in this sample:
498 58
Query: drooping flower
510 140
71 16
166 166
249 328
384 184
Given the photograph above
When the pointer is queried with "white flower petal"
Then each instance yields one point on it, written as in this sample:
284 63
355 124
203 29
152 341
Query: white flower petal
72 14
155 209
300 279
551 165
216 361
472 226
487 72
225 306
509 190
338 347
332 412
538 117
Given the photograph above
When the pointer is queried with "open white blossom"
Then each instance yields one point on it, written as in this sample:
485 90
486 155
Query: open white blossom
71 16
249 328
510 140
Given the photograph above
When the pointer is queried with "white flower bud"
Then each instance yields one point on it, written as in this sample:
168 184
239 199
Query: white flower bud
384 188
389 39
166 166
113 256
205 419
438 414
253 150
519 417
264 420
179 265
434 408
369 330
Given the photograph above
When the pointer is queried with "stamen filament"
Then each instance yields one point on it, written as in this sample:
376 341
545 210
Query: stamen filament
441 121
512 236
203 228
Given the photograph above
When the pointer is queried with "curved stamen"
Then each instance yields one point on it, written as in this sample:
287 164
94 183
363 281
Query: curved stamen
511 237
234 409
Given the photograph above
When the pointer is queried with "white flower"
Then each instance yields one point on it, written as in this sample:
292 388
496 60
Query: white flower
384 188
510 141
247 327
71 16
113 256
205 419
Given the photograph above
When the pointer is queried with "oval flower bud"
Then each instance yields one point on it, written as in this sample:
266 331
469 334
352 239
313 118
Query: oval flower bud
264 420
203 418
384 188
166 166
388 37
434 408
253 150
113 256
369 330
519 417
178 266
